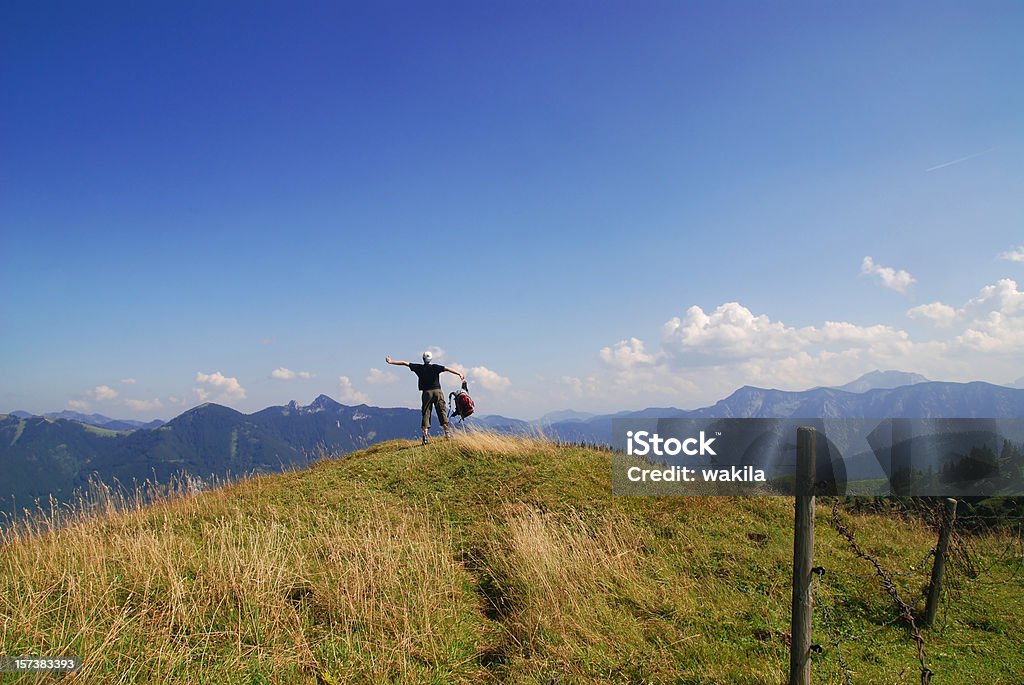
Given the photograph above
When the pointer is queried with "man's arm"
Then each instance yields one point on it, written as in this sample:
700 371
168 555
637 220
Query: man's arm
462 376
389 360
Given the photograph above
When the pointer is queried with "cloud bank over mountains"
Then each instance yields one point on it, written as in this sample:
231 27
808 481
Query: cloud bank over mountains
706 354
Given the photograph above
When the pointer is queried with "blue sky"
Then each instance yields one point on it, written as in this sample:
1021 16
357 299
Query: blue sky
195 195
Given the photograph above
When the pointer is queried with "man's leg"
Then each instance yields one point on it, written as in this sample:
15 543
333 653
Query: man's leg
442 413
425 403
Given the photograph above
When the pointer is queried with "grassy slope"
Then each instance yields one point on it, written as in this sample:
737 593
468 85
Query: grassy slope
479 560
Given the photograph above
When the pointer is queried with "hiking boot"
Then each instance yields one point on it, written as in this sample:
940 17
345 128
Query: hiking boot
425 441
447 435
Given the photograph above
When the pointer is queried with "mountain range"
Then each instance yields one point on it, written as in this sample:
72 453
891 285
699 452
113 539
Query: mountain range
53 455
924 400
42 456
98 420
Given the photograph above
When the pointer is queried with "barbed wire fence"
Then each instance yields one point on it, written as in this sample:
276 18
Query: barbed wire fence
831 628
951 563
906 612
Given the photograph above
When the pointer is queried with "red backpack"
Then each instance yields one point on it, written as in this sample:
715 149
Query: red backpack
461 403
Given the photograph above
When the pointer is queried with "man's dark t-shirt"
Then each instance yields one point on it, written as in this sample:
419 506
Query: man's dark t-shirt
429 375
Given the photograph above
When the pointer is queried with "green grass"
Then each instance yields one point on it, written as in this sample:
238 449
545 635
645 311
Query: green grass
20 429
105 432
485 559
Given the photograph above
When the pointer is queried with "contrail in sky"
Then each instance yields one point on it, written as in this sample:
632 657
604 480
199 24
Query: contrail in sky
957 161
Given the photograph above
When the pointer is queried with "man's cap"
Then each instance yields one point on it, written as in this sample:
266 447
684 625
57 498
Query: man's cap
427 357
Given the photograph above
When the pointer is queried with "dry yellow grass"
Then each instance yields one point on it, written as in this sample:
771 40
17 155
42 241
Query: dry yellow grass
489 442
567 576
191 590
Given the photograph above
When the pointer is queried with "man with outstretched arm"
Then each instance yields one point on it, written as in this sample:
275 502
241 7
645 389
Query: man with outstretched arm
429 376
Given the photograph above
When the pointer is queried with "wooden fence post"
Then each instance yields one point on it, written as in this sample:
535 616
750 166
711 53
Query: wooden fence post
803 557
939 567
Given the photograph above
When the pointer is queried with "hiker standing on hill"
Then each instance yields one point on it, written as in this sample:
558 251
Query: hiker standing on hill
429 376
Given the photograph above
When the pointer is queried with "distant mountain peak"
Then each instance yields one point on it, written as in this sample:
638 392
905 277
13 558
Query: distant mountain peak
206 410
882 380
324 403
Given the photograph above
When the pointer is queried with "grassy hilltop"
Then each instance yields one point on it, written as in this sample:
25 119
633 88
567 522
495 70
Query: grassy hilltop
486 559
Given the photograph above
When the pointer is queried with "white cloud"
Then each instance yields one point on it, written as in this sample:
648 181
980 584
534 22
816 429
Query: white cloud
938 313
891 278
144 405
127 381
438 354
733 332
993 318
378 377
104 393
481 376
488 379
459 368
996 320
1002 296
706 355
730 331
349 394
1015 254
573 383
78 405
228 387
844 333
283 374
626 354
579 387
